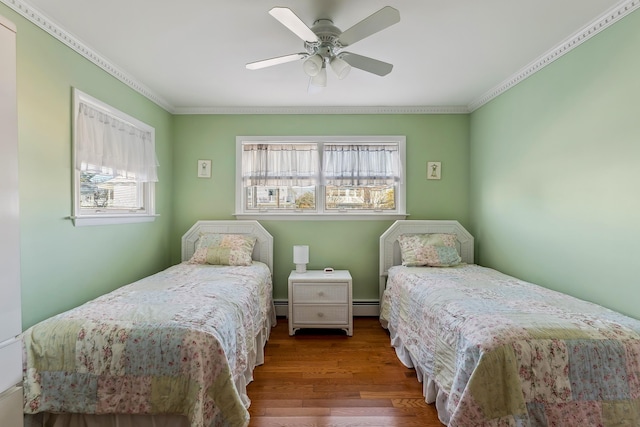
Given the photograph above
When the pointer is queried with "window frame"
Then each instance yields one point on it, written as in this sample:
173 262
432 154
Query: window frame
88 217
321 212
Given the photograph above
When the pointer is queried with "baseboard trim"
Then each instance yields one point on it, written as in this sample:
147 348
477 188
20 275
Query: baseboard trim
360 308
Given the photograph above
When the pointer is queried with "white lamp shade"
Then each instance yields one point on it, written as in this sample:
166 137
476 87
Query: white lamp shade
312 89
300 254
340 67
312 65
320 79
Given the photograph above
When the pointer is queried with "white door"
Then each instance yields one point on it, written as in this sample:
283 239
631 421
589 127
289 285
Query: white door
10 313
10 316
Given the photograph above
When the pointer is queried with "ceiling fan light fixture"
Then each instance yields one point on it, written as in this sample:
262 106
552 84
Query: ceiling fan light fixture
312 65
340 67
323 43
320 79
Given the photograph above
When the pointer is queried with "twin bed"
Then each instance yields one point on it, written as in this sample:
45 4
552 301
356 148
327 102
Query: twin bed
177 348
492 350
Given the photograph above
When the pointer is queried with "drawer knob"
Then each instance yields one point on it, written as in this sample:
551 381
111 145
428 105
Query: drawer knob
320 294
320 314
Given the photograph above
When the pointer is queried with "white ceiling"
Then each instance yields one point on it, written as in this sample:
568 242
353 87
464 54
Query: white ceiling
190 55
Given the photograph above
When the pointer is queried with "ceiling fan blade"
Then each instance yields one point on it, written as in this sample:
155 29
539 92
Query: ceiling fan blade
276 61
293 23
385 17
367 64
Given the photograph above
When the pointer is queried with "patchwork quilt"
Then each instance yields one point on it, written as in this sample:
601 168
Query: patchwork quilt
182 341
505 352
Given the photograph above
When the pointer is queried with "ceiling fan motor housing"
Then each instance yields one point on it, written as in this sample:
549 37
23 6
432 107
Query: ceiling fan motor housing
329 46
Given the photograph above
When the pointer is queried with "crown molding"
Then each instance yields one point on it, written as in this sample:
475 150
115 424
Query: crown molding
618 12
323 110
42 21
609 18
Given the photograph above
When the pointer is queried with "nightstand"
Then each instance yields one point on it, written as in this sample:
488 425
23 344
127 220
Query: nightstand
320 300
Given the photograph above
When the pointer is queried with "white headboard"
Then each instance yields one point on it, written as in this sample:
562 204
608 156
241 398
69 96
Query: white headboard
390 249
262 251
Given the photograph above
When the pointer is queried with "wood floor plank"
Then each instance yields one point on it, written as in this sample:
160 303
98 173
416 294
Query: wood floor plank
348 403
322 378
338 421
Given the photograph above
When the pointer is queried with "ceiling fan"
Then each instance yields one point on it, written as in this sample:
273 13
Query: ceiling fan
323 43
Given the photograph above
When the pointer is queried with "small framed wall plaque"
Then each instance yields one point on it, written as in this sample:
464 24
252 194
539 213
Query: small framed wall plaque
204 168
434 170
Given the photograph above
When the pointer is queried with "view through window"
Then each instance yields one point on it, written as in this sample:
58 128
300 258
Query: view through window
115 165
321 175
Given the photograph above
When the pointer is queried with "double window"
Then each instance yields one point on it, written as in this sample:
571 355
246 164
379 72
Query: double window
115 165
324 176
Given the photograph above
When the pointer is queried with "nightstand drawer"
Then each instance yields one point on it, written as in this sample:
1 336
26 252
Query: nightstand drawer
320 293
320 314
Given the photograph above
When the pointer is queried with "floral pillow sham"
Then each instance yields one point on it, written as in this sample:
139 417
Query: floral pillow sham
431 250
223 249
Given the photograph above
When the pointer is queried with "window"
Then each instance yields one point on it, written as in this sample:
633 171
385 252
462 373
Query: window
305 176
115 165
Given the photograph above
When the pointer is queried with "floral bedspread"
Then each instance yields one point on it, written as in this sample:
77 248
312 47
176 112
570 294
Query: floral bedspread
182 341
509 353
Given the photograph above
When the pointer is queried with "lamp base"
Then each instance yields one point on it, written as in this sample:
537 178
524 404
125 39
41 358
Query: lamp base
301 268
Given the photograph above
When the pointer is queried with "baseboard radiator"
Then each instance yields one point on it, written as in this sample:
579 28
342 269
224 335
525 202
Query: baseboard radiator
360 308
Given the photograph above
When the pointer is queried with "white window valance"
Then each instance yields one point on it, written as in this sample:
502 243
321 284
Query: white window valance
361 164
109 145
280 164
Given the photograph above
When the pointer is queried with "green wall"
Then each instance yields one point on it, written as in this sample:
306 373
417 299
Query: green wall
63 265
555 175
349 245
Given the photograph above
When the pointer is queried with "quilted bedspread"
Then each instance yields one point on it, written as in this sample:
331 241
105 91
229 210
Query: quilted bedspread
509 353
182 341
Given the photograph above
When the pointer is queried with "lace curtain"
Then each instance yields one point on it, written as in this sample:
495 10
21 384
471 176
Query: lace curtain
280 164
361 164
110 146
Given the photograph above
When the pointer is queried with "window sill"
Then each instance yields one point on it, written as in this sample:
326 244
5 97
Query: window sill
89 220
343 216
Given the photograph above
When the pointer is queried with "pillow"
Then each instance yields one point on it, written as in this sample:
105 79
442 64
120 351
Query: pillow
432 250
223 249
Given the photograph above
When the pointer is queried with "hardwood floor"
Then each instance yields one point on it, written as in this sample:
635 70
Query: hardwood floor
322 378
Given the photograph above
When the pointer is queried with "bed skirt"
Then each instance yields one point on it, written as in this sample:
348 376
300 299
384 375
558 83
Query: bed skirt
430 390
